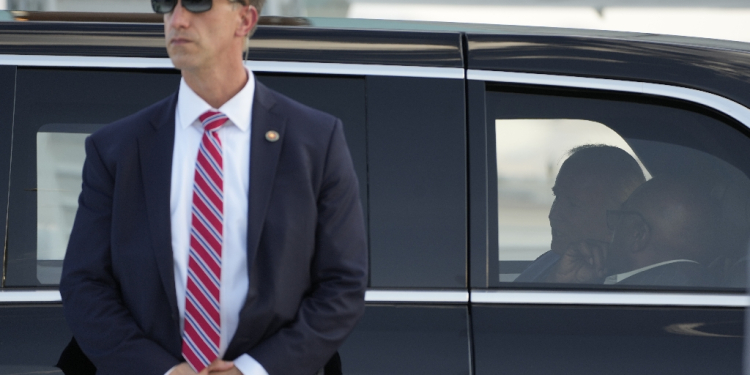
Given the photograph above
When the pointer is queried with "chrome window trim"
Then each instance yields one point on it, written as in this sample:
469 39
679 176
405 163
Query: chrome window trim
85 61
719 103
257 66
20 296
488 297
608 298
356 69
417 296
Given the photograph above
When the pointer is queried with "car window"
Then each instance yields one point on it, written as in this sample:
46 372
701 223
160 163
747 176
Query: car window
49 153
59 159
530 153
55 109
417 182
615 191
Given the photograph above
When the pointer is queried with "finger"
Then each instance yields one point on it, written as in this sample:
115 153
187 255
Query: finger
585 253
220 365
574 248
599 252
231 371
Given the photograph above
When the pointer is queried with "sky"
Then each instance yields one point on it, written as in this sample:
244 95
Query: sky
722 21
718 19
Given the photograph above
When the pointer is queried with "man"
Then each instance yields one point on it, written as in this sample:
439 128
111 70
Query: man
661 235
219 230
594 179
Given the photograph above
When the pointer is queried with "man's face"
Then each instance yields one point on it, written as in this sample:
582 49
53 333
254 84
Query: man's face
197 40
579 211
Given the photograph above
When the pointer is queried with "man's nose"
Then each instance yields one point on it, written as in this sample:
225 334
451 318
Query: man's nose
554 211
179 17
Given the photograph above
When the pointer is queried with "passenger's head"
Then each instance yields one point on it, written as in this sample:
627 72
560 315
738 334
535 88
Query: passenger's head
592 180
666 218
198 41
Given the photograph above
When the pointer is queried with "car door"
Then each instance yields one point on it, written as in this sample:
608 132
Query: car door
405 126
522 128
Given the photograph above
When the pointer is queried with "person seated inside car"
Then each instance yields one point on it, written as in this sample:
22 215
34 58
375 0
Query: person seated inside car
662 234
592 180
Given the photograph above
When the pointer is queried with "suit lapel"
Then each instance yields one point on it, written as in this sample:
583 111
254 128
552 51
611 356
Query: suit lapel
155 150
264 157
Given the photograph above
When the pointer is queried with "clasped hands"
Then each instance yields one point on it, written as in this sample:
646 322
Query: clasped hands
217 367
583 262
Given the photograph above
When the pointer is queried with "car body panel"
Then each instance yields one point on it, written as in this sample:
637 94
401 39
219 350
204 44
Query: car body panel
413 102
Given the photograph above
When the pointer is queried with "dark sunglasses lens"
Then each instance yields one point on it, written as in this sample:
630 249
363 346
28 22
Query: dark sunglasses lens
163 6
197 6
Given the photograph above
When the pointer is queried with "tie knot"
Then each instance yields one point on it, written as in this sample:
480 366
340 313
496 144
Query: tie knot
213 120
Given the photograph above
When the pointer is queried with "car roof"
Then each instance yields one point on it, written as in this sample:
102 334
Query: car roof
476 28
716 66
392 25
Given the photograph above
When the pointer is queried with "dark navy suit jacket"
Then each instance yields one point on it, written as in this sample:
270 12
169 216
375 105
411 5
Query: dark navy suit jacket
307 256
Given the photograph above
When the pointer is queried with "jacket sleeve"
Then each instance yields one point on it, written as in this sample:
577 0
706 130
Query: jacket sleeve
338 271
94 310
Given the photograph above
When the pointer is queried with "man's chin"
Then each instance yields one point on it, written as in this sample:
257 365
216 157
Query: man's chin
182 62
181 57
558 247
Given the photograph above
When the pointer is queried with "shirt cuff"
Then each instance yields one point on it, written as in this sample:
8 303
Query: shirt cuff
249 366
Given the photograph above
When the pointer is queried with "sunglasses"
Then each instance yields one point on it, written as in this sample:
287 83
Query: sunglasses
194 6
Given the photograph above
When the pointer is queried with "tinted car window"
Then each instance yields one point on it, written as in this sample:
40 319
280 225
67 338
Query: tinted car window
417 175
50 146
55 109
599 189
529 155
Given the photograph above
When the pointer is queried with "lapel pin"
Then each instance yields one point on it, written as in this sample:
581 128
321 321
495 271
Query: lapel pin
272 136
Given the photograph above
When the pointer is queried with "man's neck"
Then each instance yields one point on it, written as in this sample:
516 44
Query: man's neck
216 86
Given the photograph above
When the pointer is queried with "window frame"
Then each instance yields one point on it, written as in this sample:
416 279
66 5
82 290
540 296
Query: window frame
21 255
8 76
482 196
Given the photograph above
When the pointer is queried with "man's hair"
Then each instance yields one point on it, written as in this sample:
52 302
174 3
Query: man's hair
258 4
610 164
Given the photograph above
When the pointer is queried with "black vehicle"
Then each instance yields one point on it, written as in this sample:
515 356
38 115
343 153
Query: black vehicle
457 134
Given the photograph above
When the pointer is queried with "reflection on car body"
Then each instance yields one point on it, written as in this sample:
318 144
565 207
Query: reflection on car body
460 134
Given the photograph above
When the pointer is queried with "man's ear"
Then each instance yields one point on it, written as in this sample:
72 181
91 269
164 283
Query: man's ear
249 19
641 237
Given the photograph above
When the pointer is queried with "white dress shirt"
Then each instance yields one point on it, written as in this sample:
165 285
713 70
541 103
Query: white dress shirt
235 140
614 279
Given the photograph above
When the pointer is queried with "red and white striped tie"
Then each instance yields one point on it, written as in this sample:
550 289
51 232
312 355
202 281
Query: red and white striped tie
200 340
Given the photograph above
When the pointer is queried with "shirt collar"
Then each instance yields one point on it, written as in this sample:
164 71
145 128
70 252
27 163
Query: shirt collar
190 106
622 276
